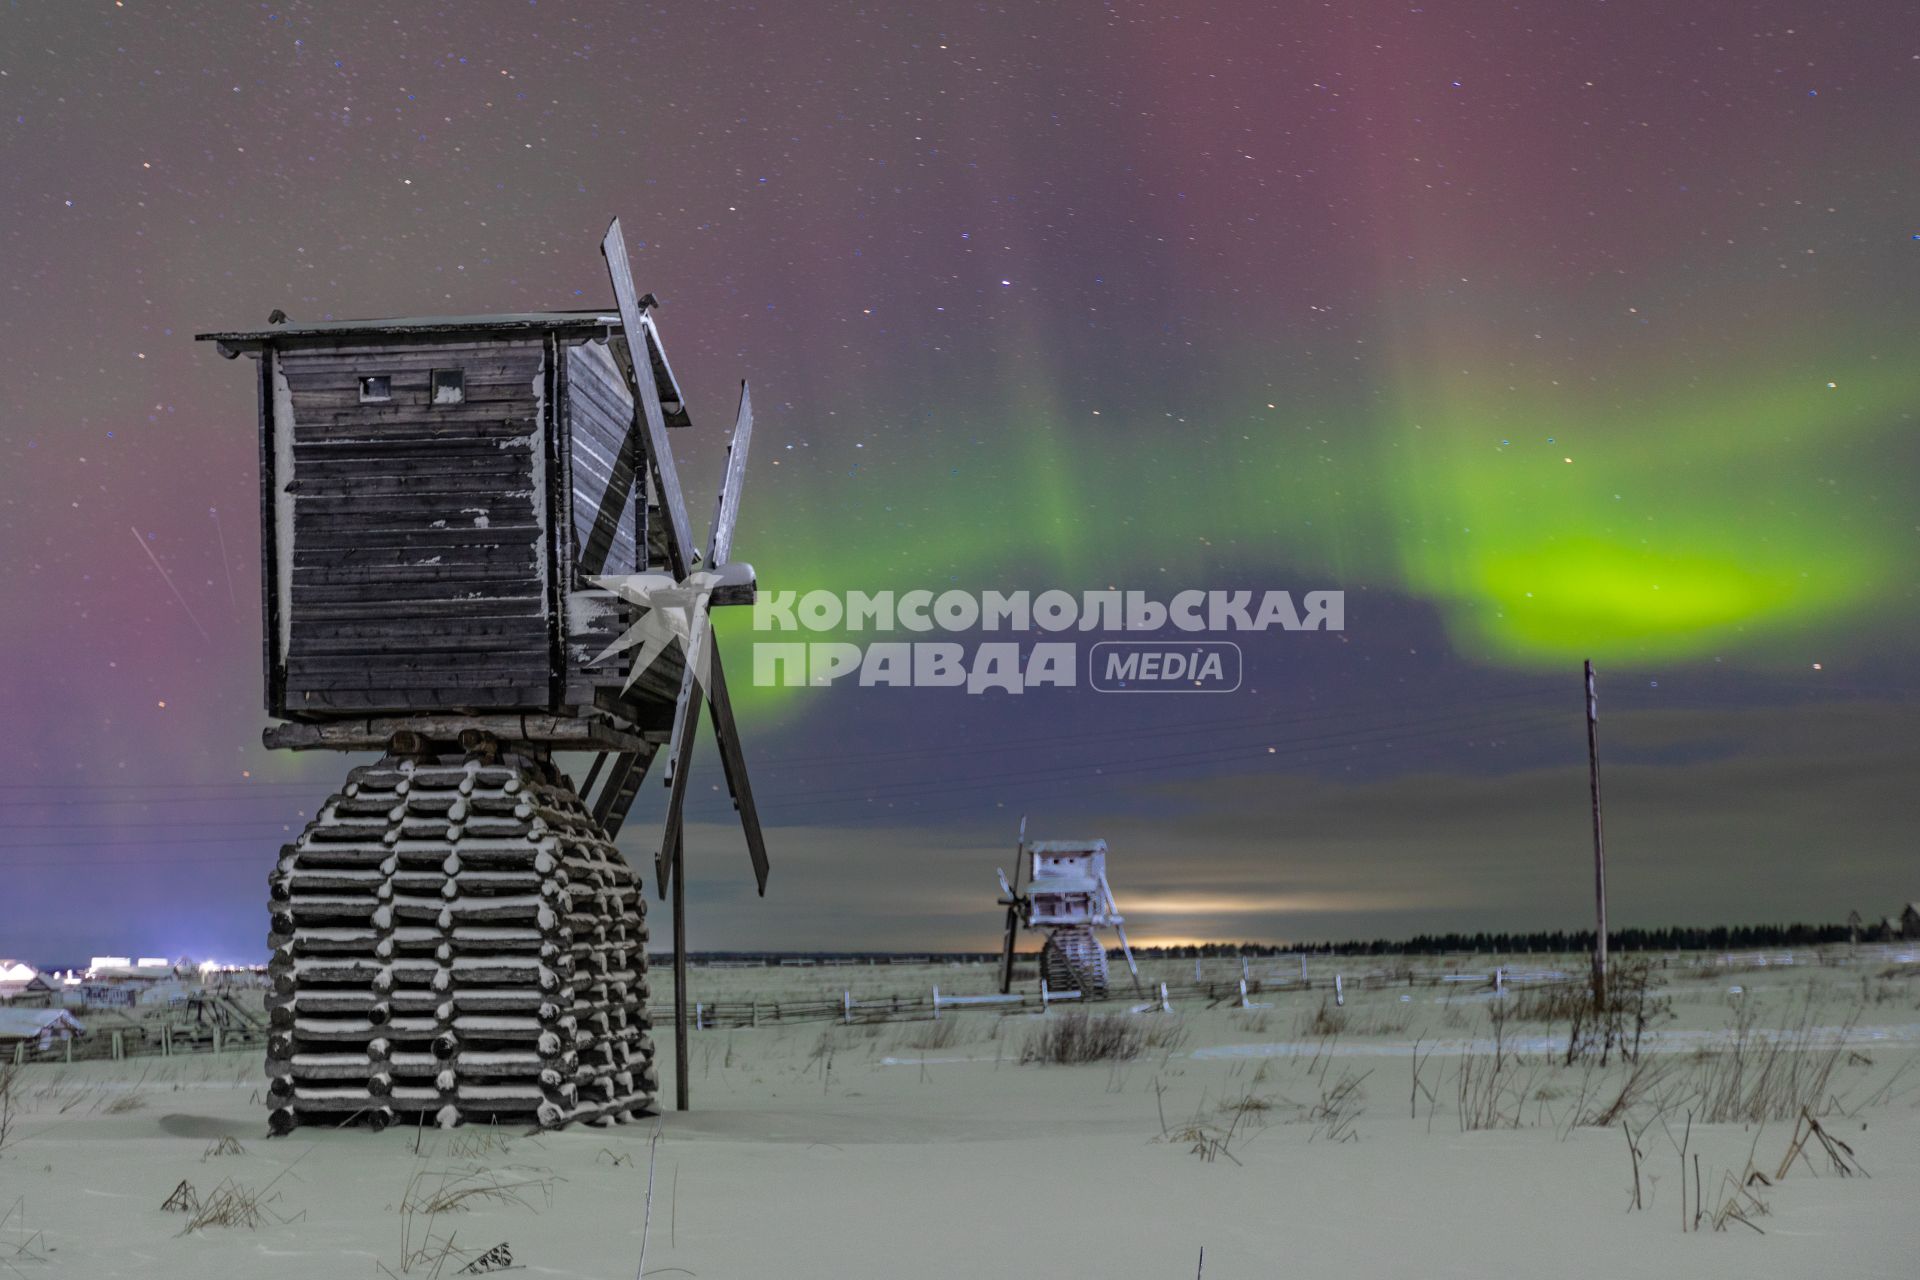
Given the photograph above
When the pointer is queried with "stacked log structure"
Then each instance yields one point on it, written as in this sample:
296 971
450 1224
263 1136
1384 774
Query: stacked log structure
454 941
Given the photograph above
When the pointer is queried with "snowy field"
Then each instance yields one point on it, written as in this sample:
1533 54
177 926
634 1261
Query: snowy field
1414 1131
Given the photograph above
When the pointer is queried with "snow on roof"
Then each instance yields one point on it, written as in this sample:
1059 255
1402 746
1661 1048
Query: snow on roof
17 971
1068 846
24 1024
523 320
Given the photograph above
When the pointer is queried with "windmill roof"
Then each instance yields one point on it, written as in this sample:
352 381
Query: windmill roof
1068 846
511 322
232 342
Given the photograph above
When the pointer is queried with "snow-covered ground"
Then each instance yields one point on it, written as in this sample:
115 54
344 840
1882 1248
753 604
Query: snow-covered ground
926 1149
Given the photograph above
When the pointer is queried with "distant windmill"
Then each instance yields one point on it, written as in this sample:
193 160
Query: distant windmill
1068 896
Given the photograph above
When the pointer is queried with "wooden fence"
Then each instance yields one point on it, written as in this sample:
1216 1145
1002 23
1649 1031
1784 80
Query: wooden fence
1271 977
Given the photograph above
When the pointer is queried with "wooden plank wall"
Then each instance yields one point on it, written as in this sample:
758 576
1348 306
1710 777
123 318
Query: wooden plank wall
606 462
610 522
417 565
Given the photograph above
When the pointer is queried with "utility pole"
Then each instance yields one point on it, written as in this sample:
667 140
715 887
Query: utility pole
1599 849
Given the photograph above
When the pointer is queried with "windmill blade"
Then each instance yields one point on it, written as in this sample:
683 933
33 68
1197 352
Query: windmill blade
734 764
646 398
719 540
1020 853
726 508
686 709
677 780
1004 886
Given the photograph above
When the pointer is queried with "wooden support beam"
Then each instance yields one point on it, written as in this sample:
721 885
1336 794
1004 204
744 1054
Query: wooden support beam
681 1056
566 733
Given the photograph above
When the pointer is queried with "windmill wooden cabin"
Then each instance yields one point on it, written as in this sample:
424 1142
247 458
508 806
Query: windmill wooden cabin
440 494
466 523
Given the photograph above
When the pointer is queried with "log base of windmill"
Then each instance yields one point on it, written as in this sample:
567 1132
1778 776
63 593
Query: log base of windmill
453 941
1074 960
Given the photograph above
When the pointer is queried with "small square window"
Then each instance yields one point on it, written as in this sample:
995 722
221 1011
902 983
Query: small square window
449 386
376 388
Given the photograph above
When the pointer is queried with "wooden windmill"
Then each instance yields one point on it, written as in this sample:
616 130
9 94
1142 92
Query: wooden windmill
477 555
1068 897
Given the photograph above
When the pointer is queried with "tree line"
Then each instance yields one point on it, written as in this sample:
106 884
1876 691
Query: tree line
1737 937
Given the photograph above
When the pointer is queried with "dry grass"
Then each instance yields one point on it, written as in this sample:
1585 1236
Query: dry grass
432 1194
1491 1091
476 1144
1340 1104
1562 1003
1165 1034
1382 1020
233 1204
1076 1038
940 1033
1327 1020
7 1107
1769 1075
1645 1080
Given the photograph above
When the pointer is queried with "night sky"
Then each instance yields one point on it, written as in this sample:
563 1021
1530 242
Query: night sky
1546 332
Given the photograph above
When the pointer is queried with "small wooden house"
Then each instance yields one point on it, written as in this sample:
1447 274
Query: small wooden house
437 494
26 1030
22 985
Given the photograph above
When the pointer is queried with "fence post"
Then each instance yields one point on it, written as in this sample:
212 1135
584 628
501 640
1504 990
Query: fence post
1166 1006
1043 995
936 1004
119 1047
1499 979
1243 992
216 1037
1303 966
846 1003
1339 990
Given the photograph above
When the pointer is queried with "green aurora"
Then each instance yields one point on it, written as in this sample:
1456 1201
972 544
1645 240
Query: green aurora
1544 529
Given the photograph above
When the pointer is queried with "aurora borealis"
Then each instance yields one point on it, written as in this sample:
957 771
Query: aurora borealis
1545 333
